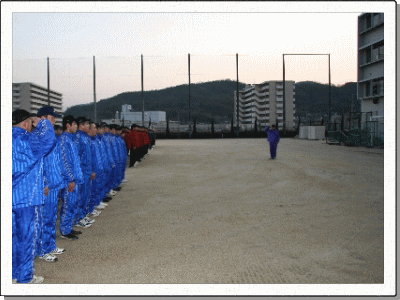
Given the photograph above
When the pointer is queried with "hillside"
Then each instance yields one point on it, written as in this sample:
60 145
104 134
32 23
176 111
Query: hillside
214 100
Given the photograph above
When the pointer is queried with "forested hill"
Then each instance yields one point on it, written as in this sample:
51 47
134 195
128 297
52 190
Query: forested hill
213 99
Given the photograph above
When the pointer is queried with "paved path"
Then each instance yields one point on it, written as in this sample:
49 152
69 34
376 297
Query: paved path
218 211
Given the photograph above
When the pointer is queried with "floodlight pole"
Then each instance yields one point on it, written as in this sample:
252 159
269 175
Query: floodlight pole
284 98
48 82
237 95
94 90
142 91
190 122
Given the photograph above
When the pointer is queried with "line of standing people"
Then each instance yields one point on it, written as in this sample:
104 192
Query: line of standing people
84 166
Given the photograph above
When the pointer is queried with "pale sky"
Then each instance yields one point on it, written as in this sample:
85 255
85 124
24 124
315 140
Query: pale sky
165 39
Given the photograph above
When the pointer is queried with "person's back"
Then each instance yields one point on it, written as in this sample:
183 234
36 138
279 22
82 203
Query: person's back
273 139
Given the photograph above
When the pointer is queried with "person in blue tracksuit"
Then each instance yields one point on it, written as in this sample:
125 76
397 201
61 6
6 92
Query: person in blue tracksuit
123 153
98 165
82 141
28 151
273 139
46 246
73 178
117 156
112 183
108 160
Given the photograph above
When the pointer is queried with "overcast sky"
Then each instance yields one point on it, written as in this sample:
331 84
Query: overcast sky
165 34
165 39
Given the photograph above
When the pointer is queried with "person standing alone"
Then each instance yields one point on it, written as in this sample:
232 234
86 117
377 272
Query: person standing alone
273 139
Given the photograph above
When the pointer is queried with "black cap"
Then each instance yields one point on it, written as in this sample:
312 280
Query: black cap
68 119
47 110
81 120
20 115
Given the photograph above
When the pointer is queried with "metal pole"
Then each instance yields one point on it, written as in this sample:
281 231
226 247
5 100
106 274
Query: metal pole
284 98
94 90
142 91
237 95
190 123
329 109
48 81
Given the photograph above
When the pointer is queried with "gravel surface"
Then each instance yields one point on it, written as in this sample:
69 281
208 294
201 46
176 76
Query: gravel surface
219 211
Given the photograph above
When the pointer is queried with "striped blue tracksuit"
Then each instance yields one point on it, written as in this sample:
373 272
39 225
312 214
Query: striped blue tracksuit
98 165
83 145
28 151
72 165
53 179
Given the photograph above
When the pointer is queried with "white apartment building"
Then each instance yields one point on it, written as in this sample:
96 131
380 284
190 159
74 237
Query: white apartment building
370 69
32 97
128 117
264 103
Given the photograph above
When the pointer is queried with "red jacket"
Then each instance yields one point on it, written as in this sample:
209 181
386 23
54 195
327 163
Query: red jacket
133 138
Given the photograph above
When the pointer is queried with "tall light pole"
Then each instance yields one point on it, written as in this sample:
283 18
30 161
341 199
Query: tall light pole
190 121
142 91
94 90
48 82
237 95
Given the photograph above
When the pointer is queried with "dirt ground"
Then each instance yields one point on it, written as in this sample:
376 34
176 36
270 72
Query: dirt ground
219 211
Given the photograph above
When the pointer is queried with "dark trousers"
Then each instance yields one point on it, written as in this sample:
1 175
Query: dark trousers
272 149
133 157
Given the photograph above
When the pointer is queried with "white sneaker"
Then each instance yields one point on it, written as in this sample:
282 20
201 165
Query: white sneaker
36 279
88 220
95 213
103 203
83 224
100 207
48 257
57 251
124 180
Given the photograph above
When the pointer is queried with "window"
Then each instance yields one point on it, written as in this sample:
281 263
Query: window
377 87
377 19
368 55
368 89
368 22
377 51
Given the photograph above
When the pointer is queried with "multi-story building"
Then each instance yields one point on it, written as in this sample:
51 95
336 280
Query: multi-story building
128 117
32 97
370 70
264 103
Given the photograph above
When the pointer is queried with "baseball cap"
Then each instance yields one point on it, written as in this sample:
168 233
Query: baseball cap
47 110
81 120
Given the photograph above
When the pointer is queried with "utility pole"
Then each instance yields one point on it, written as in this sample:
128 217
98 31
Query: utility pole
48 82
329 109
237 95
142 91
94 89
284 98
190 122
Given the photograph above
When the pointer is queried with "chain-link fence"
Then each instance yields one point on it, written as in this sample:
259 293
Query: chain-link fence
366 129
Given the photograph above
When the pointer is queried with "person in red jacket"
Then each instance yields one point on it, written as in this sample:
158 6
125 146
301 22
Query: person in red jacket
133 142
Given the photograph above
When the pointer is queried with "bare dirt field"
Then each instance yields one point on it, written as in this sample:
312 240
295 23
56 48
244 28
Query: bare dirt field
218 211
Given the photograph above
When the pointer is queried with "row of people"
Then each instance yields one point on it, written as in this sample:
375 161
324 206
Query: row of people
84 166
138 141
